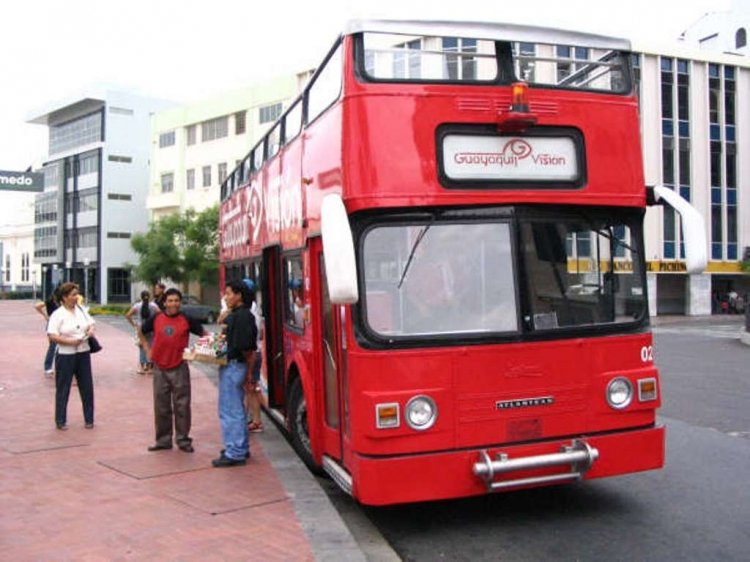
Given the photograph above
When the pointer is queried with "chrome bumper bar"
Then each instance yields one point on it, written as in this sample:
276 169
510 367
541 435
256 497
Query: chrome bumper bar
579 455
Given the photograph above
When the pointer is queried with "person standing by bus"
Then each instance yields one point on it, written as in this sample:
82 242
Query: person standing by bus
241 338
46 308
171 332
254 391
69 327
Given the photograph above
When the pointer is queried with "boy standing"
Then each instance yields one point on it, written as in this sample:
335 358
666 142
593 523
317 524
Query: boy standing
171 335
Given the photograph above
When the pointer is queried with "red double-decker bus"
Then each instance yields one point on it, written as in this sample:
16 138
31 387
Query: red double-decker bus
447 229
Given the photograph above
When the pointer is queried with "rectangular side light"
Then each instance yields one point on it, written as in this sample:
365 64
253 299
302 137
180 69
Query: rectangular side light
647 390
387 415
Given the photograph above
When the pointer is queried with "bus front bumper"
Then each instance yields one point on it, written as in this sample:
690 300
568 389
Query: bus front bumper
471 472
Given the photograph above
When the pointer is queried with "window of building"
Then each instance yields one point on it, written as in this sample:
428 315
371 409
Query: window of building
190 133
120 196
190 179
407 60
166 139
123 159
222 172
525 60
123 235
7 268
167 183
118 285
740 38
88 164
269 113
206 176
461 65
86 237
239 122
25 267
214 129
80 132
51 176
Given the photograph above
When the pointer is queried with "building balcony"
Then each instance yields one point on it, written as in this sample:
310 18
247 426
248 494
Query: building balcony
162 201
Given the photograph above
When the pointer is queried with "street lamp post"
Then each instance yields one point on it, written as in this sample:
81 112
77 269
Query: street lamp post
33 284
68 271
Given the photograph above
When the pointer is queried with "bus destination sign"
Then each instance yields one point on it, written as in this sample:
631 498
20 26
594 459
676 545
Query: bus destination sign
499 157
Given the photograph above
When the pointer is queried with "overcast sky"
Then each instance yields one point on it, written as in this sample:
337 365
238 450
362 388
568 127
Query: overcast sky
185 50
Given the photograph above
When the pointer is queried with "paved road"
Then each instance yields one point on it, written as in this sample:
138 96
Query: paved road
697 508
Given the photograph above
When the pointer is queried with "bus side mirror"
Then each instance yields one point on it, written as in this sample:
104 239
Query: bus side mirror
338 251
693 228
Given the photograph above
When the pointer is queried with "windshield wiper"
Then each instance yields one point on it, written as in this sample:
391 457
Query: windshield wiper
413 250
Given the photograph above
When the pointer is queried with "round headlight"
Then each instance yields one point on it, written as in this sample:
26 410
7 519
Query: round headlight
619 393
421 412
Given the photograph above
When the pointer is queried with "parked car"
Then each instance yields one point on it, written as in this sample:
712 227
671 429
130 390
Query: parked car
193 307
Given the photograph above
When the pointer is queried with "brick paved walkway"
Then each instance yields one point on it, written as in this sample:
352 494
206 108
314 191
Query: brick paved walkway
99 495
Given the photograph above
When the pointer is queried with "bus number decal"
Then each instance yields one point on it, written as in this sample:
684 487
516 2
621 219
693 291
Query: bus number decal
647 354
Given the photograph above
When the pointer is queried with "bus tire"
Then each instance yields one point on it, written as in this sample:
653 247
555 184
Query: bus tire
298 428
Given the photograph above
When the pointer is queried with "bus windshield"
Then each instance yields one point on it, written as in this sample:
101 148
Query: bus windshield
402 58
461 277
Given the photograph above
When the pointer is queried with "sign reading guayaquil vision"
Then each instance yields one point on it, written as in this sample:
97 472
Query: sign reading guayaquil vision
21 181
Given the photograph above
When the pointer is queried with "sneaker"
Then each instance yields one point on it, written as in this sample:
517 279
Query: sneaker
247 455
223 462
255 427
49 372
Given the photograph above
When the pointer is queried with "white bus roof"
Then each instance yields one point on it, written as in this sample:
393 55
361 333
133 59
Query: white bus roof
492 31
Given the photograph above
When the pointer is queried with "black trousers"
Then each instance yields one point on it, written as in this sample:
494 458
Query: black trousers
172 403
76 365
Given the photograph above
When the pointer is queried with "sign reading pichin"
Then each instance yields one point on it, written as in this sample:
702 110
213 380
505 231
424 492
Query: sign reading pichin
524 402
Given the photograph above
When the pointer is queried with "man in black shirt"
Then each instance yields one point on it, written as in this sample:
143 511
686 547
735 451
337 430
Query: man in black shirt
241 334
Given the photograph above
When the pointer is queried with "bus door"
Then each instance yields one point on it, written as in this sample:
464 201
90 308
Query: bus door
331 365
274 314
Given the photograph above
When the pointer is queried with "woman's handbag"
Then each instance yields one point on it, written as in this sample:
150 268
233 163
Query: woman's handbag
94 345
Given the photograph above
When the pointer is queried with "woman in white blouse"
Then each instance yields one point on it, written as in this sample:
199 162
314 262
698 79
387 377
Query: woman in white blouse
69 327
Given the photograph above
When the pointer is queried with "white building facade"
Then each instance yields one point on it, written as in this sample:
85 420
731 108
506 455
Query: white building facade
96 183
194 147
18 272
695 130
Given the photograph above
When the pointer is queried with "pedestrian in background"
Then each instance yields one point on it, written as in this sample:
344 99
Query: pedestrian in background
137 315
241 338
69 327
171 334
46 308
254 396
159 295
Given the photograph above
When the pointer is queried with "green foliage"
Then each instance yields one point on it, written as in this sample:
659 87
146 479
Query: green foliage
183 248
108 309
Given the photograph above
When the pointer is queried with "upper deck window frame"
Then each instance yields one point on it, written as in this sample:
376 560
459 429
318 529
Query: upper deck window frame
506 62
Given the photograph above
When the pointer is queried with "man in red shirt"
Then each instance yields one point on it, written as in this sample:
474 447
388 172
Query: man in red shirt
171 330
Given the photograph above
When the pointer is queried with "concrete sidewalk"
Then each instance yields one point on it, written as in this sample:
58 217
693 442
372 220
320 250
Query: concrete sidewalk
99 495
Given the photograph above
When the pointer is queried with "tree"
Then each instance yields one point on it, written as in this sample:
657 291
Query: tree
182 247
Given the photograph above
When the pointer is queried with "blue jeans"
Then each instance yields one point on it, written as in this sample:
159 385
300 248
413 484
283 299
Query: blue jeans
232 415
142 352
50 357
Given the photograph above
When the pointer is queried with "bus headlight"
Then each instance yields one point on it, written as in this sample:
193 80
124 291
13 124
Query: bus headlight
421 412
619 393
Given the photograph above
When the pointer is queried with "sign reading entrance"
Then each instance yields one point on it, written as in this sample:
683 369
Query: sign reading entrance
21 181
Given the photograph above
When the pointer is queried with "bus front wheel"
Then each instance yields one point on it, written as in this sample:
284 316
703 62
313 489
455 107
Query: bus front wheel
298 426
